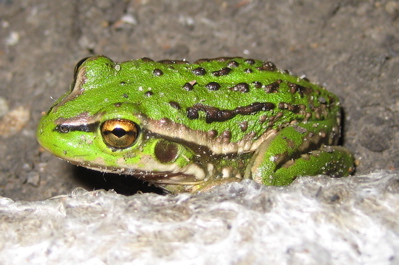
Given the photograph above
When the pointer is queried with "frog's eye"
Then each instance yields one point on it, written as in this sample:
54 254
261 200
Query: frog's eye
119 133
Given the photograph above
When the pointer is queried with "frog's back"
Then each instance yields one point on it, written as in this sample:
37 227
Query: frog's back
229 98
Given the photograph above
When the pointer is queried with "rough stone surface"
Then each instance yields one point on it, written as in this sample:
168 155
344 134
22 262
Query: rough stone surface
314 221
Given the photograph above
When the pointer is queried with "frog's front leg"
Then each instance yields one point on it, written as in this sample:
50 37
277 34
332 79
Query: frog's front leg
307 149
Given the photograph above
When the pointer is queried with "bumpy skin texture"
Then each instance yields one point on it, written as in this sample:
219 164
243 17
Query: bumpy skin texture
191 126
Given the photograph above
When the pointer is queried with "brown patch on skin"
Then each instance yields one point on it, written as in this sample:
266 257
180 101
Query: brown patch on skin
280 158
322 111
174 104
254 107
289 107
268 66
233 64
218 59
213 86
165 151
244 126
82 118
257 84
249 136
221 72
173 62
275 118
212 133
262 118
199 71
250 61
273 87
157 72
295 88
240 87
189 86
226 136
214 114
146 59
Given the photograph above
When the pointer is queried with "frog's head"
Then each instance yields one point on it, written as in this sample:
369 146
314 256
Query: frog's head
93 126
116 139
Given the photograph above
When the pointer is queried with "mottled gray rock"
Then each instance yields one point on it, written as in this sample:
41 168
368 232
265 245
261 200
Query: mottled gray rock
314 221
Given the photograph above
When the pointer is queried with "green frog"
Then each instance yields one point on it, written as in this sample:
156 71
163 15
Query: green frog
190 126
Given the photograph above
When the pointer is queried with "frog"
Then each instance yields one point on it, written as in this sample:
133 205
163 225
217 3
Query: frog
188 127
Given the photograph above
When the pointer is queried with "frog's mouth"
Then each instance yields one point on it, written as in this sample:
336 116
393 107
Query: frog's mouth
159 178
167 178
177 179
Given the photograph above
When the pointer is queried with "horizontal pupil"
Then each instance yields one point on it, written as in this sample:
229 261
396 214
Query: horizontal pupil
119 132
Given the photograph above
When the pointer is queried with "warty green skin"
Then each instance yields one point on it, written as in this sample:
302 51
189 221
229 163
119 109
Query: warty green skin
199 125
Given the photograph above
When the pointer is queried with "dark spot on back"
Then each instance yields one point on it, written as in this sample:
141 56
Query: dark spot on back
174 104
157 72
199 71
295 88
221 72
188 86
233 64
273 87
257 84
214 114
212 86
267 66
146 59
250 61
240 87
